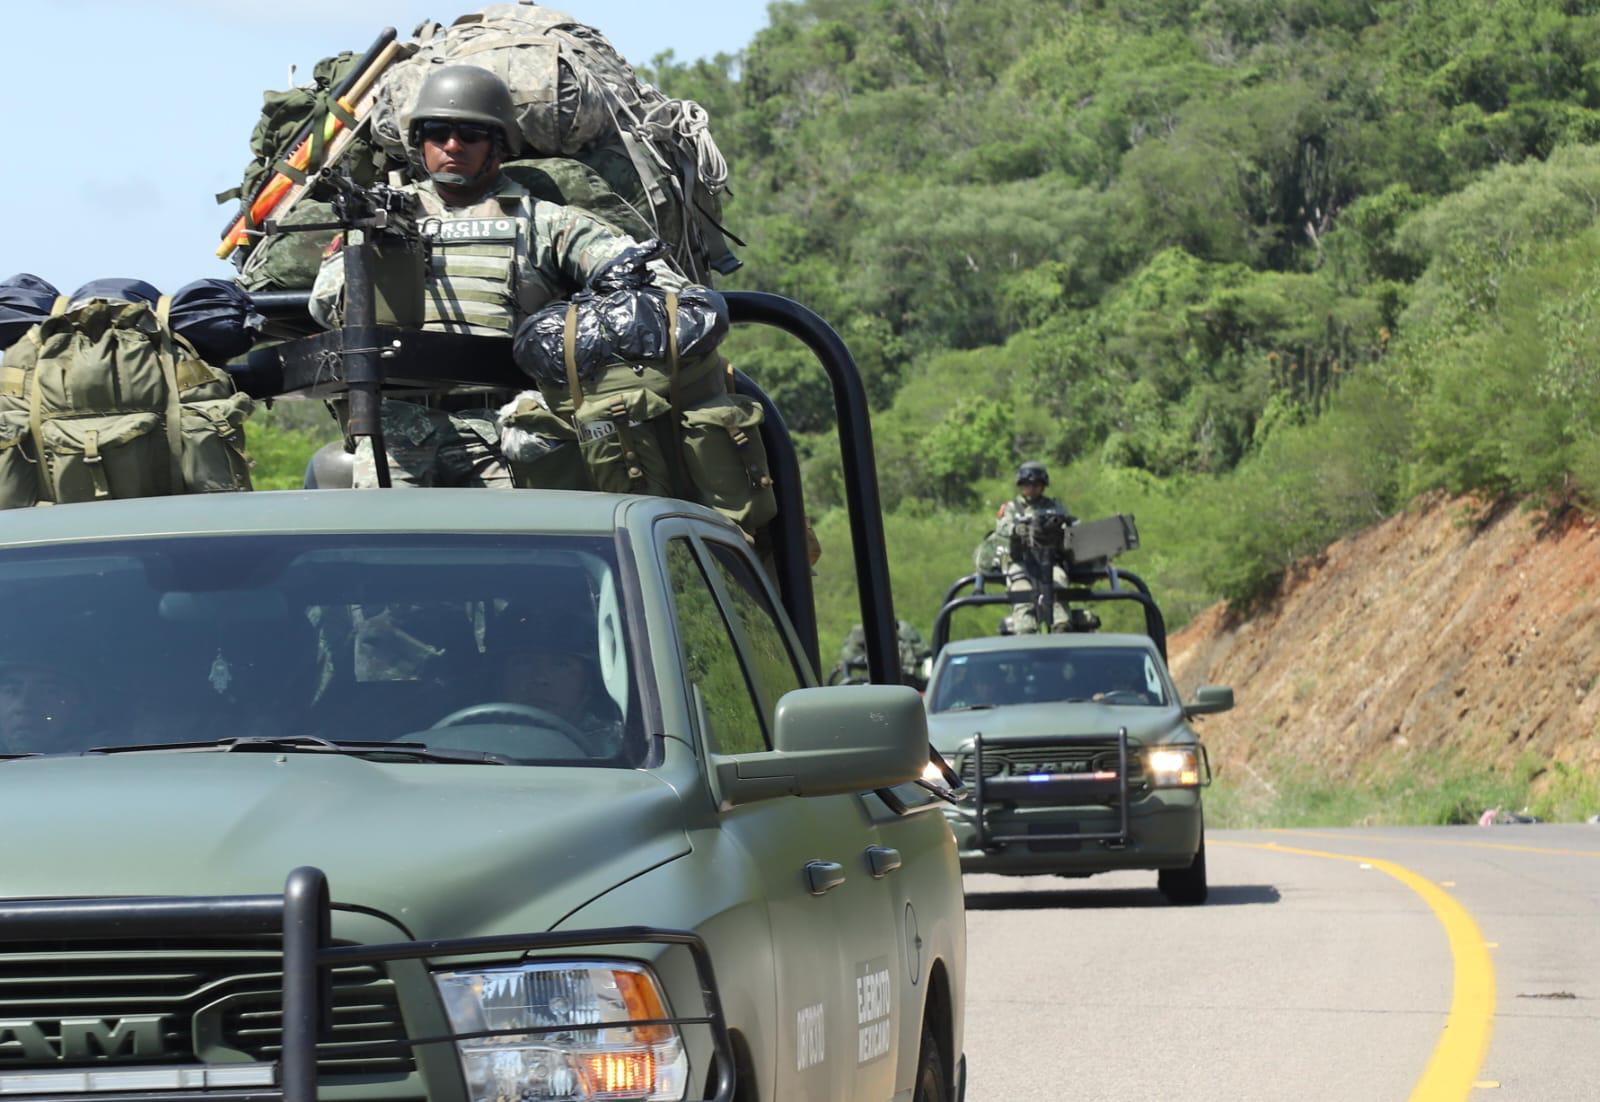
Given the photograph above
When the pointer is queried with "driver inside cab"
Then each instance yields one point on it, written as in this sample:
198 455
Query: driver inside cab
558 678
42 710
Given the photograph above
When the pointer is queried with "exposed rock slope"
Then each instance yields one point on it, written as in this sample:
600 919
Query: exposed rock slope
1452 626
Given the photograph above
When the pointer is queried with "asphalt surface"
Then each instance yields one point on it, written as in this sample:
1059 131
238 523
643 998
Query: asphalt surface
1427 964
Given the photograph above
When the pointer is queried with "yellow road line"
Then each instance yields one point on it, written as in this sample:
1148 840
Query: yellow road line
1452 1070
1439 842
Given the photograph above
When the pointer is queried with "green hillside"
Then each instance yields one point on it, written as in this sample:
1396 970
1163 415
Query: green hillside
1256 271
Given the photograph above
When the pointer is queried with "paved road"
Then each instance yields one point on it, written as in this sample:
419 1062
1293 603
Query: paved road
1430 964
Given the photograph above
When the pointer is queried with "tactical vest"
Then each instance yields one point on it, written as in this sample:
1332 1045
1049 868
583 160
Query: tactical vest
477 257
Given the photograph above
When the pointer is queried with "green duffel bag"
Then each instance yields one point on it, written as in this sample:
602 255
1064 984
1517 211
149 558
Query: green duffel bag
625 440
725 461
542 450
19 476
96 403
214 456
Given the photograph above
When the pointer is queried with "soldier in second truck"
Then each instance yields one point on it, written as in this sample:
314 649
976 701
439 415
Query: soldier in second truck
1010 529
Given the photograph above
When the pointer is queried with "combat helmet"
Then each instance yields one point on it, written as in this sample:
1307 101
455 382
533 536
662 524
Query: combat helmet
465 93
1033 473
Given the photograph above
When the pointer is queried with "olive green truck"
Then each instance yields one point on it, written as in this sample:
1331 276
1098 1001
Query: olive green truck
463 796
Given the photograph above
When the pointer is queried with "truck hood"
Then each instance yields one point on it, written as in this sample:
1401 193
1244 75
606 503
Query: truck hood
949 730
443 850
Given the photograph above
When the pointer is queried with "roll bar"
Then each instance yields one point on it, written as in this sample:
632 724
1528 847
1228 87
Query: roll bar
318 367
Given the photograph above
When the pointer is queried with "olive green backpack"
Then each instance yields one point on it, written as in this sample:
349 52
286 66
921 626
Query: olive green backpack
105 401
669 429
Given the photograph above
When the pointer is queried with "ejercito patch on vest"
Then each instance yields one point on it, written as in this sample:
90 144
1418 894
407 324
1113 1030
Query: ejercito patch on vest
470 229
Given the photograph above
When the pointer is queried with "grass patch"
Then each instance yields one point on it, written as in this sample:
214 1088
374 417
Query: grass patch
1429 789
282 439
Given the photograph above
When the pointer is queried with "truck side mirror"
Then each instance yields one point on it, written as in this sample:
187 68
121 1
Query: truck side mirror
1209 700
831 741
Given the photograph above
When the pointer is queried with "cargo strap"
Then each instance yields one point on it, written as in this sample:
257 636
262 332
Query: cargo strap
673 395
168 355
569 341
36 429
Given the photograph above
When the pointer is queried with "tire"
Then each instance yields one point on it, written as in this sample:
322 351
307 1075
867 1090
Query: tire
933 1078
1186 887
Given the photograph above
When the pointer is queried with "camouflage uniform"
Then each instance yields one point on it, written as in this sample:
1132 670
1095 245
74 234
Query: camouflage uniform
493 262
432 447
914 651
1013 514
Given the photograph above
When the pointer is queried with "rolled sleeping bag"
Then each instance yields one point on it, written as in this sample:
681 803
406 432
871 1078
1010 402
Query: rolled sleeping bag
25 301
213 315
114 290
216 317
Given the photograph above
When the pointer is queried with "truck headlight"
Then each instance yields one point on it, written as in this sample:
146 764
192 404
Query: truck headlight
585 1056
1174 767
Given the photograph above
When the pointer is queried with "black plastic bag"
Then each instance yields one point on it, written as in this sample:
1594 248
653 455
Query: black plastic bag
622 318
25 301
216 317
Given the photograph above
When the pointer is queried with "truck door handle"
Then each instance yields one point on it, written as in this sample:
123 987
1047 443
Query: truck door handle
824 876
882 860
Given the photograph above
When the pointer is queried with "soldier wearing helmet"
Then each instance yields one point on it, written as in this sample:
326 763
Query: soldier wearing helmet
497 255
1031 502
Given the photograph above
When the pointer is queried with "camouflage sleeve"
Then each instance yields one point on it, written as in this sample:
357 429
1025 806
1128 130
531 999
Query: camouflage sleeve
1006 522
327 294
571 246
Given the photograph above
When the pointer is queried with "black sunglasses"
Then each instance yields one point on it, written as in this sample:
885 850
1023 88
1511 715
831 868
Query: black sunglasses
438 131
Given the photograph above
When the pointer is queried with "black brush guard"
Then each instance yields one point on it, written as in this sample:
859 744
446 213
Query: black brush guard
1055 790
303 915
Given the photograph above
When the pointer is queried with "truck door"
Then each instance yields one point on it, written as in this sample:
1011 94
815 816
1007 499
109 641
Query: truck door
863 1012
774 837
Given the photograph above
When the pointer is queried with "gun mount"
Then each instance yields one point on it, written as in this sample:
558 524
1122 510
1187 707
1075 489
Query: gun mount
385 266
1085 553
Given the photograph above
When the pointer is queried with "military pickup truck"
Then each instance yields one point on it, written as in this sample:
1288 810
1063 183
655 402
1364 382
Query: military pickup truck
1079 755
462 795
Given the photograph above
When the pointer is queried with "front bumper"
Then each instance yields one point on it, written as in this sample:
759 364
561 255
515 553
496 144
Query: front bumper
1164 830
1100 816
303 916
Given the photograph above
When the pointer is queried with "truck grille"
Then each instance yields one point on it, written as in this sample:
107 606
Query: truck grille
1074 757
216 1004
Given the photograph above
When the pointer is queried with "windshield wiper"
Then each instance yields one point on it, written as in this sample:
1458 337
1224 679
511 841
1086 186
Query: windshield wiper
315 744
970 708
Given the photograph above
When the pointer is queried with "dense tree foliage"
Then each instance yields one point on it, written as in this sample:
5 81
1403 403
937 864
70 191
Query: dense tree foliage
1258 270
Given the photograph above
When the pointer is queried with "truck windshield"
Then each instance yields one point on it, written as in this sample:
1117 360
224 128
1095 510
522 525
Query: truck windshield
1105 675
510 646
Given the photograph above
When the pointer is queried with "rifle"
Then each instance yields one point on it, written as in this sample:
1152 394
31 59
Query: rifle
380 225
1041 546
352 100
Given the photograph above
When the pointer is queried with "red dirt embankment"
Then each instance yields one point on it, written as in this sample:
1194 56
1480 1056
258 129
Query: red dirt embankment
1454 626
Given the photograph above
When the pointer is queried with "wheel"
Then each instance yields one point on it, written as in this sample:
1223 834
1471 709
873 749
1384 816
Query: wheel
933 1078
1186 887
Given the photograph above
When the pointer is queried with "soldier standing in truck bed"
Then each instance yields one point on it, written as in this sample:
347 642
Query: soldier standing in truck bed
498 255
1030 503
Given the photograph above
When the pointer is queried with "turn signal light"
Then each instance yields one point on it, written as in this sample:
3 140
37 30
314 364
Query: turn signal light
621 1074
